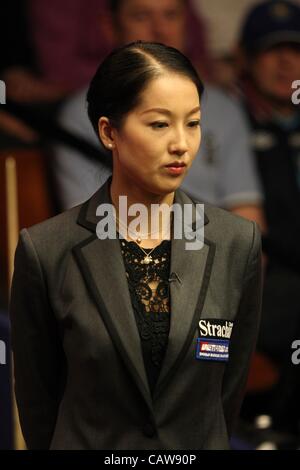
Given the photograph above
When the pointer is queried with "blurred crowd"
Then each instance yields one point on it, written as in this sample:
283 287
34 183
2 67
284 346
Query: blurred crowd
248 54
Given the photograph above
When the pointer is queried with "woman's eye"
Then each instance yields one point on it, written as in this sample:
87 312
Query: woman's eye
161 125
158 125
194 123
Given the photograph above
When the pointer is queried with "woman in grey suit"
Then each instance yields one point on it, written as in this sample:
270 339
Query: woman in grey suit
127 338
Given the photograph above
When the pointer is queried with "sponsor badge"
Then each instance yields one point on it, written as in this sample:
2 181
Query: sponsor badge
214 339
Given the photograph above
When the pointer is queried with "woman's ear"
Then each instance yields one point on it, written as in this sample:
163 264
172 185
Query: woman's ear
106 133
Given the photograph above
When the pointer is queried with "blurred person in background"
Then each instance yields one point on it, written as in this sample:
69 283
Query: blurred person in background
222 21
66 38
223 172
48 50
270 62
27 91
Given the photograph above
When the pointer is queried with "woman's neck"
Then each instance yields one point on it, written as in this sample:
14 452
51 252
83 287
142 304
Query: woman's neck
154 227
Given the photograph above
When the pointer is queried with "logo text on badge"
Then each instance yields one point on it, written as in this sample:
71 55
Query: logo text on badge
211 349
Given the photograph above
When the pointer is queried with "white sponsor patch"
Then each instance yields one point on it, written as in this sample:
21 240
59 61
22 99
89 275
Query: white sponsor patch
215 328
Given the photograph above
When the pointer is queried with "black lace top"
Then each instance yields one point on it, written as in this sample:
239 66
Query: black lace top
149 291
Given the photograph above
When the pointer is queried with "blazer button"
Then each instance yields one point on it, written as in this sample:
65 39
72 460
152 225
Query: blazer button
149 430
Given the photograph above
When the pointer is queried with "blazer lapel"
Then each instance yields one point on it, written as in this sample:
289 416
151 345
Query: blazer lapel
191 270
103 269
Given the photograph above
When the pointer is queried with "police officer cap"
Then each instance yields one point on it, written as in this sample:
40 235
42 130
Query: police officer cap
269 24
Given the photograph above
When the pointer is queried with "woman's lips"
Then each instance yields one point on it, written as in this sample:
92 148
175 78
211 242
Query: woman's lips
175 169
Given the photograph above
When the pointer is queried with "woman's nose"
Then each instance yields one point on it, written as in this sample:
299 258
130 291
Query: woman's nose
179 143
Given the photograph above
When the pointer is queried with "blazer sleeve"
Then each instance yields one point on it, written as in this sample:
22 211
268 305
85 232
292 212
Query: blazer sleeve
244 334
37 349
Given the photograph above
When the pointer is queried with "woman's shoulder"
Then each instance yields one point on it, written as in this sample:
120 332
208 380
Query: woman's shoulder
221 225
56 234
226 218
56 223
231 231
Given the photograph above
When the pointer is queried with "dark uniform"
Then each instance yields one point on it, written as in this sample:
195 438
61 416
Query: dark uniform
277 151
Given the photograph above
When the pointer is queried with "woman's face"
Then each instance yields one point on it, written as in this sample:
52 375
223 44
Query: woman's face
163 130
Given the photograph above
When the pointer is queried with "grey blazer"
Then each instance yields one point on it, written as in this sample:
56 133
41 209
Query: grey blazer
80 380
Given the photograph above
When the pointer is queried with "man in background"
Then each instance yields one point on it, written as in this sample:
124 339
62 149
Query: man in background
270 59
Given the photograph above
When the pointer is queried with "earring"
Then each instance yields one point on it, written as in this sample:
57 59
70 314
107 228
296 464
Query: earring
110 146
